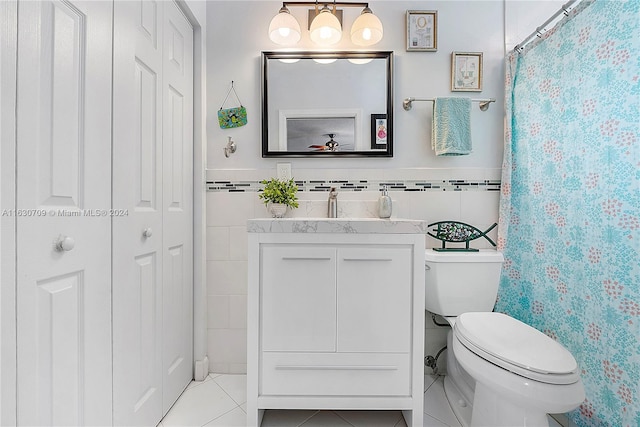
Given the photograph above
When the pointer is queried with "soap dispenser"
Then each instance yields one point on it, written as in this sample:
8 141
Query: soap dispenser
384 204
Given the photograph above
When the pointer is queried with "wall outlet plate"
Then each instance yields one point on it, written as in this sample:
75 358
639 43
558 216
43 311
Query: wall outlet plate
284 171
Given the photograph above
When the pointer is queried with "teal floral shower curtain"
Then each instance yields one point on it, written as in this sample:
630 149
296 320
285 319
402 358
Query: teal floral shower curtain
570 201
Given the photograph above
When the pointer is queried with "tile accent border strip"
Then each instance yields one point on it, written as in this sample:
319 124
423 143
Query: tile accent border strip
361 185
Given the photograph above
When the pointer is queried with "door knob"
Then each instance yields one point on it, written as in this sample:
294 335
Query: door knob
64 243
148 232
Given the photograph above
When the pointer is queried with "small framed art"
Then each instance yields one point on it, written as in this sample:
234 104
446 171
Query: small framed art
466 71
422 30
378 131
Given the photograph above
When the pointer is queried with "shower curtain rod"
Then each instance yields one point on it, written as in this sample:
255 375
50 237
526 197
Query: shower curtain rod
564 10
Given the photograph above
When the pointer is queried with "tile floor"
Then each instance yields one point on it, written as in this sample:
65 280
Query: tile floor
220 401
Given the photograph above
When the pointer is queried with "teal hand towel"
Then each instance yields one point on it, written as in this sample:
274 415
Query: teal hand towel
451 130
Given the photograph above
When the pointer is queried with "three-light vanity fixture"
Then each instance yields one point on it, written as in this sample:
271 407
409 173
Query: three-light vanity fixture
325 25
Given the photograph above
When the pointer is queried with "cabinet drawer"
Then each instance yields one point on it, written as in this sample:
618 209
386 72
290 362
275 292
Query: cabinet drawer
335 374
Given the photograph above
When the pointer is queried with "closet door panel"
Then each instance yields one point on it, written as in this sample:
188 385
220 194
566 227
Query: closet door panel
137 236
63 229
177 204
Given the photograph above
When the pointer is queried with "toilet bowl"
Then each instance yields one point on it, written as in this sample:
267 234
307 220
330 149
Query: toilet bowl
500 371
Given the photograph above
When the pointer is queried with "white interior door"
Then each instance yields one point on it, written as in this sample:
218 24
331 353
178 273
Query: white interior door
152 180
63 187
177 137
137 237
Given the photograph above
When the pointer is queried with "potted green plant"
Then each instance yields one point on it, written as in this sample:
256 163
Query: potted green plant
278 195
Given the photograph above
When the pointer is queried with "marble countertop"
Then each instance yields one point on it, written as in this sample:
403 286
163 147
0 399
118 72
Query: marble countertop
337 225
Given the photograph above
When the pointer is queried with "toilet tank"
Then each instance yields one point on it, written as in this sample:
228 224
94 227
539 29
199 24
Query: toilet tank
459 282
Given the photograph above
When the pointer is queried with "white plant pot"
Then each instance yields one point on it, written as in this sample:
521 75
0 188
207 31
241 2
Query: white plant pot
277 210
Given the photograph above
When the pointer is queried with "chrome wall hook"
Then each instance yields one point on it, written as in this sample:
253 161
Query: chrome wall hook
230 148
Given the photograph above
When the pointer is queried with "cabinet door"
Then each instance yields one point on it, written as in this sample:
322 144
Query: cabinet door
298 298
374 299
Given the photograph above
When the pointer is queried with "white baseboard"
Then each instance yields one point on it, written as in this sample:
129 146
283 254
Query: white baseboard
201 369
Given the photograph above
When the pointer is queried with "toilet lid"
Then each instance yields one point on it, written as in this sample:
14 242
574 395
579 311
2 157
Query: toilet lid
517 347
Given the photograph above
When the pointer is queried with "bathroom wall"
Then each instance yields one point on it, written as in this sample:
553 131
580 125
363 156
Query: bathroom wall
523 17
425 186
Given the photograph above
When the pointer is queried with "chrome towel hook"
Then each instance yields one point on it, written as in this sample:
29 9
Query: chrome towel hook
230 148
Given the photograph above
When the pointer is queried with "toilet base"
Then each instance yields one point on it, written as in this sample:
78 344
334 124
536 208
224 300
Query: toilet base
458 387
491 411
502 398
475 404
461 408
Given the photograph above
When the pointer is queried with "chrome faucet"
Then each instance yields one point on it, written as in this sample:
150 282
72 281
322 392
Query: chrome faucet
333 203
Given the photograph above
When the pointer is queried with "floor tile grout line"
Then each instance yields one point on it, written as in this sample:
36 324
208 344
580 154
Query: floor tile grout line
345 420
222 415
433 382
314 414
196 384
227 393
439 420
447 402
397 424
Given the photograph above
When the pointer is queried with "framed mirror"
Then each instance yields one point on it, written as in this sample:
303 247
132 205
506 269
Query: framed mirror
330 104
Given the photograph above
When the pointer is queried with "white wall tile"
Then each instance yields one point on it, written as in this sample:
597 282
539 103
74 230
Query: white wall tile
401 204
493 174
480 209
225 208
227 345
433 206
218 311
237 368
218 368
260 209
238 241
226 277
217 243
238 311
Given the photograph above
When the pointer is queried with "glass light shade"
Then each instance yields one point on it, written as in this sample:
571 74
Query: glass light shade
325 28
366 29
325 60
360 61
289 60
284 29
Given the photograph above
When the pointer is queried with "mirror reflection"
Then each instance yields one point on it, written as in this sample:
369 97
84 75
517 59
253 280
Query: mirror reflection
327 104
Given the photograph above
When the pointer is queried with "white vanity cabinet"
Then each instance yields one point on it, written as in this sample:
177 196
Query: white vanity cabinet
336 318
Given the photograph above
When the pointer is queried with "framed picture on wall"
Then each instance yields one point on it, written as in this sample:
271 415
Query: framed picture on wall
422 30
466 71
378 131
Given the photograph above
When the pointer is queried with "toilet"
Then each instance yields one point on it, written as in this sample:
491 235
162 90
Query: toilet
500 371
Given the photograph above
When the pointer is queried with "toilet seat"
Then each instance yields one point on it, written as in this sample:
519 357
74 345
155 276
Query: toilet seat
516 347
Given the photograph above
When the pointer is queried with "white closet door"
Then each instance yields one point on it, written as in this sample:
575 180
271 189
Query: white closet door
177 137
152 178
63 178
137 237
